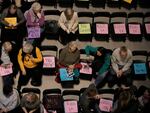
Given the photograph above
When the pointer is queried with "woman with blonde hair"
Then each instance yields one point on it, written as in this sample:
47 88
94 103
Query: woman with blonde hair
35 19
68 23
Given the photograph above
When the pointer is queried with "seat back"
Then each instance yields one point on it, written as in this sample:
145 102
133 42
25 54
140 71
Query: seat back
101 17
85 17
52 14
71 95
118 17
147 17
49 50
135 17
139 55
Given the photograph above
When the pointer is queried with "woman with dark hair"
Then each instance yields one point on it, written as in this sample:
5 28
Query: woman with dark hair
126 103
101 62
68 23
12 20
9 100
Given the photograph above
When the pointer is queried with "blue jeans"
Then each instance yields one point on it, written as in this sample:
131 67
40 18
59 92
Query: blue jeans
100 78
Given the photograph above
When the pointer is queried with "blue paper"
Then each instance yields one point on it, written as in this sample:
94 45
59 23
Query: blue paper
64 75
140 68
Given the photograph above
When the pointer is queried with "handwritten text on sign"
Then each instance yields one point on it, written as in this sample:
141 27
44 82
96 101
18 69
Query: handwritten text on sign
49 62
134 29
85 68
34 32
71 107
5 71
84 29
102 28
120 28
105 105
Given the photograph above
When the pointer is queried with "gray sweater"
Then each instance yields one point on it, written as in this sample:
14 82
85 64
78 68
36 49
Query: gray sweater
68 58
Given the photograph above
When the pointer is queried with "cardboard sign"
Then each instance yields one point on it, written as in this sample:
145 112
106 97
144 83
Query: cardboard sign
84 29
140 68
120 28
49 62
34 32
11 20
85 68
134 29
105 105
147 26
5 71
71 107
128 1
102 28
64 75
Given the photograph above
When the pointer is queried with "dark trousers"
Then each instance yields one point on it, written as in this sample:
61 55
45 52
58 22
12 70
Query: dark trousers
34 73
65 37
124 79
8 80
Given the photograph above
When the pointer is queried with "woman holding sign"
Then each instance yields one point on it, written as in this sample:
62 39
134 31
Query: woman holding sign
34 22
30 61
68 23
12 20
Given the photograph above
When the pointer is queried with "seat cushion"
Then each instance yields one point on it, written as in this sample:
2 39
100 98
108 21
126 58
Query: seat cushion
84 28
49 62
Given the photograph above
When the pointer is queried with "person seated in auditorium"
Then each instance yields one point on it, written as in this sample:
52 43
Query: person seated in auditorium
69 58
8 58
144 100
9 100
10 31
30 103
68 23
126 103
89 98
30 61
101 62
35 18
121 62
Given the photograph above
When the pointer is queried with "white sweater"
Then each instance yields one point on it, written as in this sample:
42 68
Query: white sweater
117 60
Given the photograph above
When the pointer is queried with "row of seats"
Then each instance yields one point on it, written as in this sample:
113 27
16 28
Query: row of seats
103 25
140 67
98 3
62 101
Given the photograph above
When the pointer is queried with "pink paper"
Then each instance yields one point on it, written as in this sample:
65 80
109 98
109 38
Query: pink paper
71 107
134 29
34 32
85 68
102 28
105 105
120 28
147 28
5 71
49 62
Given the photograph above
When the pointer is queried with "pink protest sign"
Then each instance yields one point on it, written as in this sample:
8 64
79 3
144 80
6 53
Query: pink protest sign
5 71
34 32
49 62
85 68
120 28
71 107
105 105
134 29
147 28
102 28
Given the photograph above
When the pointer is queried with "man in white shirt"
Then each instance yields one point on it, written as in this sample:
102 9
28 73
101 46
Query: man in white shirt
121 62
